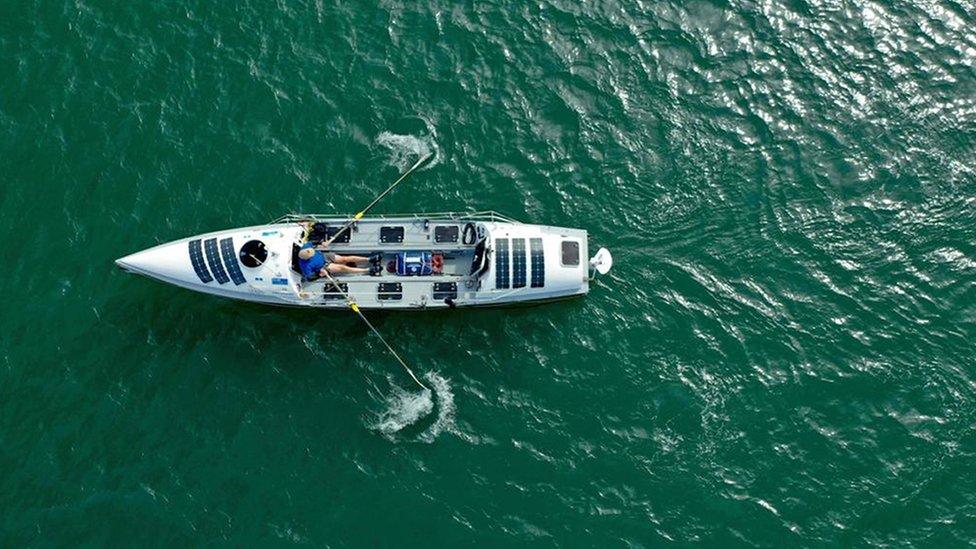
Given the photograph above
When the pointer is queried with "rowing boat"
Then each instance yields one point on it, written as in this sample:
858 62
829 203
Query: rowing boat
473 259
419 261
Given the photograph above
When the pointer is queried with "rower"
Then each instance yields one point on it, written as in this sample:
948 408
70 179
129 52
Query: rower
314 263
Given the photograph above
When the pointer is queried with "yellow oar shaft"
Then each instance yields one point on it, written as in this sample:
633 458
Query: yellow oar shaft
355 309
360 215
352 304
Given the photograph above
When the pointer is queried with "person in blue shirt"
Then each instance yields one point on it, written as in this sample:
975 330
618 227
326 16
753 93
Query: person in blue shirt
315 263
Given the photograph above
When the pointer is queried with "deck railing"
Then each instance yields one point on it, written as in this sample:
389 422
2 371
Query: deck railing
488 215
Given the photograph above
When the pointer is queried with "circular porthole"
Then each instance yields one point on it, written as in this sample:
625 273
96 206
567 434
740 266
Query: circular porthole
253 253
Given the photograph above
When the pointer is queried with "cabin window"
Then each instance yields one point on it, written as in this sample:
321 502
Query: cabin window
571 256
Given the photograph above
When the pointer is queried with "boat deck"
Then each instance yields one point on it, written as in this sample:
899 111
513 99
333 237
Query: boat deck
488 260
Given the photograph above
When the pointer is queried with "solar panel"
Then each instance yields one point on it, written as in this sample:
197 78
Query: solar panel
538 262
518 262
213 259
501 263
230 260
196 258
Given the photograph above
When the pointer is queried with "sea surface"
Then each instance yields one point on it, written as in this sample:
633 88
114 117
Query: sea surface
783 353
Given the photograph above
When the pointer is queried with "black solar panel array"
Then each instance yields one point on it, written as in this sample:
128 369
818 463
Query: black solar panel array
518 262
538 262
501 263
230 260
213 259
196 258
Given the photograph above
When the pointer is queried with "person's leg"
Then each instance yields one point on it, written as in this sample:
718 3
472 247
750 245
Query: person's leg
350 258
339 269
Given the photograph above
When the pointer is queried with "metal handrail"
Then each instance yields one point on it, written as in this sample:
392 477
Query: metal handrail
487 215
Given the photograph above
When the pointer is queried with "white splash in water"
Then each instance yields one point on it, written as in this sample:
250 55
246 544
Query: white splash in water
445 408
407 149
403 409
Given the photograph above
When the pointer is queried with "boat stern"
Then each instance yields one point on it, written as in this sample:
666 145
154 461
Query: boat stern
534 263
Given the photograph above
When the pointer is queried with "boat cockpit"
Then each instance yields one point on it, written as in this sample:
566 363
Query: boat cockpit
435 251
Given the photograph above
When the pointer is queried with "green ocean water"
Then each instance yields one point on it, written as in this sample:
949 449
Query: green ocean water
782 354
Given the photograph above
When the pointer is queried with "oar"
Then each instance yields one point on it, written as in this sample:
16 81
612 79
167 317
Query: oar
360 215
352 304
355 309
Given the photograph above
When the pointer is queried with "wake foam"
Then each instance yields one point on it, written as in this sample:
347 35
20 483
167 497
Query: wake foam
445 408
403 409
404 412
405 149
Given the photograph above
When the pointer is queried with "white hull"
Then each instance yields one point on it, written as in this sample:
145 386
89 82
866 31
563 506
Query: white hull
517 262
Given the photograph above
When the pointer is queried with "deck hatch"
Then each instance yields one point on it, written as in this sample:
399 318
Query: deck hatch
196 258
518 262
390 235
230 260
446 233
501 263
389 291
253 254
445 290
538 260
213 260
331 292
343 238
